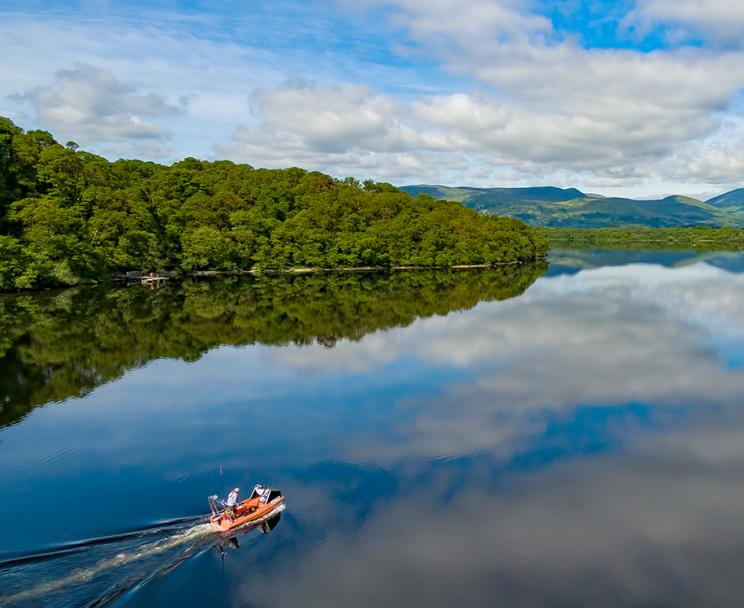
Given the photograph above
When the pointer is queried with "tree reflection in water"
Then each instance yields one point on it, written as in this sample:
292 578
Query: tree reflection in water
64 344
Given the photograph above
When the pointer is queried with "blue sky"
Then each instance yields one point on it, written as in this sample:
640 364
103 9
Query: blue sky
633 97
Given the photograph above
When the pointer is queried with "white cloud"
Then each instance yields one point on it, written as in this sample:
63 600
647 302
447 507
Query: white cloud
474 23
547 109
716 159
92 103
210 79
334 118
501 97
597 130
718 20
343 128
551 110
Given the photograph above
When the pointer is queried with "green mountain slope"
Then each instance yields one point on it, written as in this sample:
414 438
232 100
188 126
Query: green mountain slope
571 208
729 200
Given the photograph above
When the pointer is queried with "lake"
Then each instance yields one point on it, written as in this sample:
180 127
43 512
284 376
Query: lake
521 436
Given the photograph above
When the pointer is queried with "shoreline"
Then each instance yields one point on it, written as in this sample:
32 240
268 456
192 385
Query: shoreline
341 269
119 278
312 270
680 238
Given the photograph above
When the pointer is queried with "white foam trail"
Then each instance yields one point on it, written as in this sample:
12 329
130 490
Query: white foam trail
86 574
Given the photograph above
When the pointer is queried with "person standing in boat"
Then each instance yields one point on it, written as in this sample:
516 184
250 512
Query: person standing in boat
261 493
232 502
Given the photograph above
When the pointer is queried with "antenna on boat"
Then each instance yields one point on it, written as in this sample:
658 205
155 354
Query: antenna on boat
222 479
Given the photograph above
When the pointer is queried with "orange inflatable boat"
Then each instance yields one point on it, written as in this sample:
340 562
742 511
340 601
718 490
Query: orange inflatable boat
246 511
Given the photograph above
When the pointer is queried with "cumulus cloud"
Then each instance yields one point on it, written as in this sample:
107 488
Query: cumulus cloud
206 79
334 118
483 92
715 159
338 128
475 23
604 133
718 20
597 114
600 111
91 103
546 110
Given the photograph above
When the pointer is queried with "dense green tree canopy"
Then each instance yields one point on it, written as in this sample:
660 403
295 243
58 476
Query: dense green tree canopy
68 216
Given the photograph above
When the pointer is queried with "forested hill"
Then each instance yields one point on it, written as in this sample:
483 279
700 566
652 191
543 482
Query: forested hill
68 216
570 208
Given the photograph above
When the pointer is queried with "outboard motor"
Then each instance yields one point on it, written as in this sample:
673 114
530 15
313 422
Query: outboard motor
215 504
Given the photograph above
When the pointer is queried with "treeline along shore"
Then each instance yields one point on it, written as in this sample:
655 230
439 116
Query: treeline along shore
68 216
699 238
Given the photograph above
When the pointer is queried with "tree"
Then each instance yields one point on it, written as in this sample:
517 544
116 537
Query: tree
71 216
206 248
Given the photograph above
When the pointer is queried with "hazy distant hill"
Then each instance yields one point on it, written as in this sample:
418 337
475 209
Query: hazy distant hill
729 200
549 206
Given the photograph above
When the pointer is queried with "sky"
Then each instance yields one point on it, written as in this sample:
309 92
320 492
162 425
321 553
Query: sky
627 97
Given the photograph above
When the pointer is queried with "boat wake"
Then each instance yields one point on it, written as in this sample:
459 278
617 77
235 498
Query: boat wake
96 571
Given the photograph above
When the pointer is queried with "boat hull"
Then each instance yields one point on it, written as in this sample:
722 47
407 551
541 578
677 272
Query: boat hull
245 513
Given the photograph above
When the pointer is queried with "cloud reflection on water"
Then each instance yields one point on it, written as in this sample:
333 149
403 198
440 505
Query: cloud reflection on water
582 444
645 529
602 338
702 297
658 520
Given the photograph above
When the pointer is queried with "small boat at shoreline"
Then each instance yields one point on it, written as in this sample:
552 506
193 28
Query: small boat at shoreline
247 511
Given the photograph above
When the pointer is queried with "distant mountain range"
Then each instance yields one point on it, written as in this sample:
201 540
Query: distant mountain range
571 208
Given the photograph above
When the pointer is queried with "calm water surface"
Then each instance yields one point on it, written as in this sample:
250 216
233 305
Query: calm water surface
516 437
